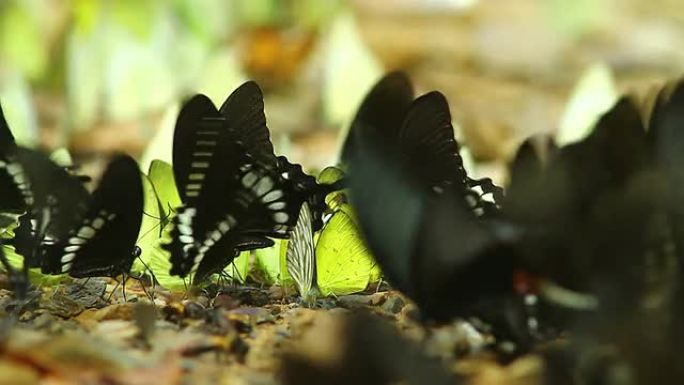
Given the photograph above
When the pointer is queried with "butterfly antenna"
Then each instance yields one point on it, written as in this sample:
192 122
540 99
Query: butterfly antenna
151 216
143 235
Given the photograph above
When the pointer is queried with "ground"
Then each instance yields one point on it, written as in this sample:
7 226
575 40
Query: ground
77 333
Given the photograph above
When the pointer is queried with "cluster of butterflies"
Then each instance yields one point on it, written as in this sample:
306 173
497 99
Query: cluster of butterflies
586 235
226 193
588 238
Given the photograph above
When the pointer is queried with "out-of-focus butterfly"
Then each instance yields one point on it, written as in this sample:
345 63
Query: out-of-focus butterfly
102 241
429 246
604 221
578 207
421 133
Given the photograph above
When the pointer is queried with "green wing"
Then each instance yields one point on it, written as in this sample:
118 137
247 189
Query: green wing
35 276
238 270
150 227
161 176
271 261
330 175
301 263
158 262
344 263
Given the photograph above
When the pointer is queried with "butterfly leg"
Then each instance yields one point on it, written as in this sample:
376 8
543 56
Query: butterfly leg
109 298
236 273
154 279
124 278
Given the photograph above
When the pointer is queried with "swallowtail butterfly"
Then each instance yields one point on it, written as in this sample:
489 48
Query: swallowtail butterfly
102 241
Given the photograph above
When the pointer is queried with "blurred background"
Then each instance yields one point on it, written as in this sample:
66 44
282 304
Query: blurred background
98 76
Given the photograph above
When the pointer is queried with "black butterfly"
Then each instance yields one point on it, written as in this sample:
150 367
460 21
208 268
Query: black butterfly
6 137
243 112
14 200
602 222
383 109
430 246
214 151
102 240
421 132
43 195
576 208
232 200
57 198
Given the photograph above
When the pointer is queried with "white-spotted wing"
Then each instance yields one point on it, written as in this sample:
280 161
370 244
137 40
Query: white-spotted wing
102 243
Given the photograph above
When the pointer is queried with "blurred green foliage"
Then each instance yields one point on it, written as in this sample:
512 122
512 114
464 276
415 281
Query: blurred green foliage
120 59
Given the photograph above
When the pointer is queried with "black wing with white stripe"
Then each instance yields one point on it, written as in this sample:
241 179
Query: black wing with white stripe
103 241
58 198
257 203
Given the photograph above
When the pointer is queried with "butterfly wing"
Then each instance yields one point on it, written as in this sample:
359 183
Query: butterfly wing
390 208
196 137
244 115
58 198
15 187
162 178
150 225
344 265
259 207
383 109
592 193
103 243
301 263
6 138
430 246
426 137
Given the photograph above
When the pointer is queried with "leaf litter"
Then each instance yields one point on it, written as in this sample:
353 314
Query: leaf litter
83 332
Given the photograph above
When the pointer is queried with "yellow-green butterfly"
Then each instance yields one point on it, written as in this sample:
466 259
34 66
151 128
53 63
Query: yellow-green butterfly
337 263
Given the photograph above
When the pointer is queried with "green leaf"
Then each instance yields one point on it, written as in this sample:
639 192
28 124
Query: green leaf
22 44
